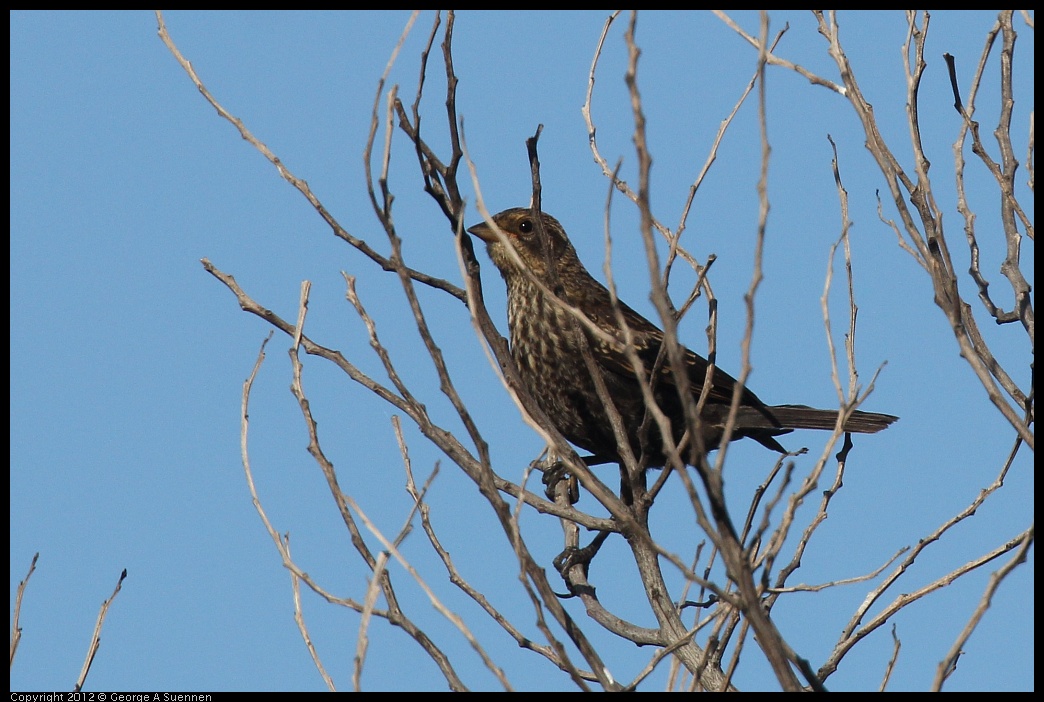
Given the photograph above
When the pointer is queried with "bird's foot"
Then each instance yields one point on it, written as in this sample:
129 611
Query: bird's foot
565 561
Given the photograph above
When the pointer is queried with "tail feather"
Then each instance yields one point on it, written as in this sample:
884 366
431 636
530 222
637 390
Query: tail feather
804 417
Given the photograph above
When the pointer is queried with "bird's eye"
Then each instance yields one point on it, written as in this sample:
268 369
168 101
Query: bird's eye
525 226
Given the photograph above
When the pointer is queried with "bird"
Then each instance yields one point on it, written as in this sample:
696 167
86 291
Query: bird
556 354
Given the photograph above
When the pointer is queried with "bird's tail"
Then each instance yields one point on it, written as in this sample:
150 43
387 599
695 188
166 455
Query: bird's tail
804 417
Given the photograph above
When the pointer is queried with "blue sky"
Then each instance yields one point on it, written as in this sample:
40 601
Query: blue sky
127 358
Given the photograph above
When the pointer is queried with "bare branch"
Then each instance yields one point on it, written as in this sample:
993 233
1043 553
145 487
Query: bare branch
949 663
16 630
299 184
96 636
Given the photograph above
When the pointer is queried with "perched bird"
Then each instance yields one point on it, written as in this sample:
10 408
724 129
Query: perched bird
548 346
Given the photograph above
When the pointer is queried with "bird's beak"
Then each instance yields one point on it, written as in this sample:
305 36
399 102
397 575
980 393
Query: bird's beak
483 231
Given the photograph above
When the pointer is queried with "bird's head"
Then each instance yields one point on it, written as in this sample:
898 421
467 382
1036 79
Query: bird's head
540 242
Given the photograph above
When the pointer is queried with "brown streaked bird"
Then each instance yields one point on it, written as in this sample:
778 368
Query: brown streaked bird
547 346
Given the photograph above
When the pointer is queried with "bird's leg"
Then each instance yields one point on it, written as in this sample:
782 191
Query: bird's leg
626 487
634 488
555 470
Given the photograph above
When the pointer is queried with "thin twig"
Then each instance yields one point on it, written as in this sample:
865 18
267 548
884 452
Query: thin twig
949 662
16 630
299 184
92 650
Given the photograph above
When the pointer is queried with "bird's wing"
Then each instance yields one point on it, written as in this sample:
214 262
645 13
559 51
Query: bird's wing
648 339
